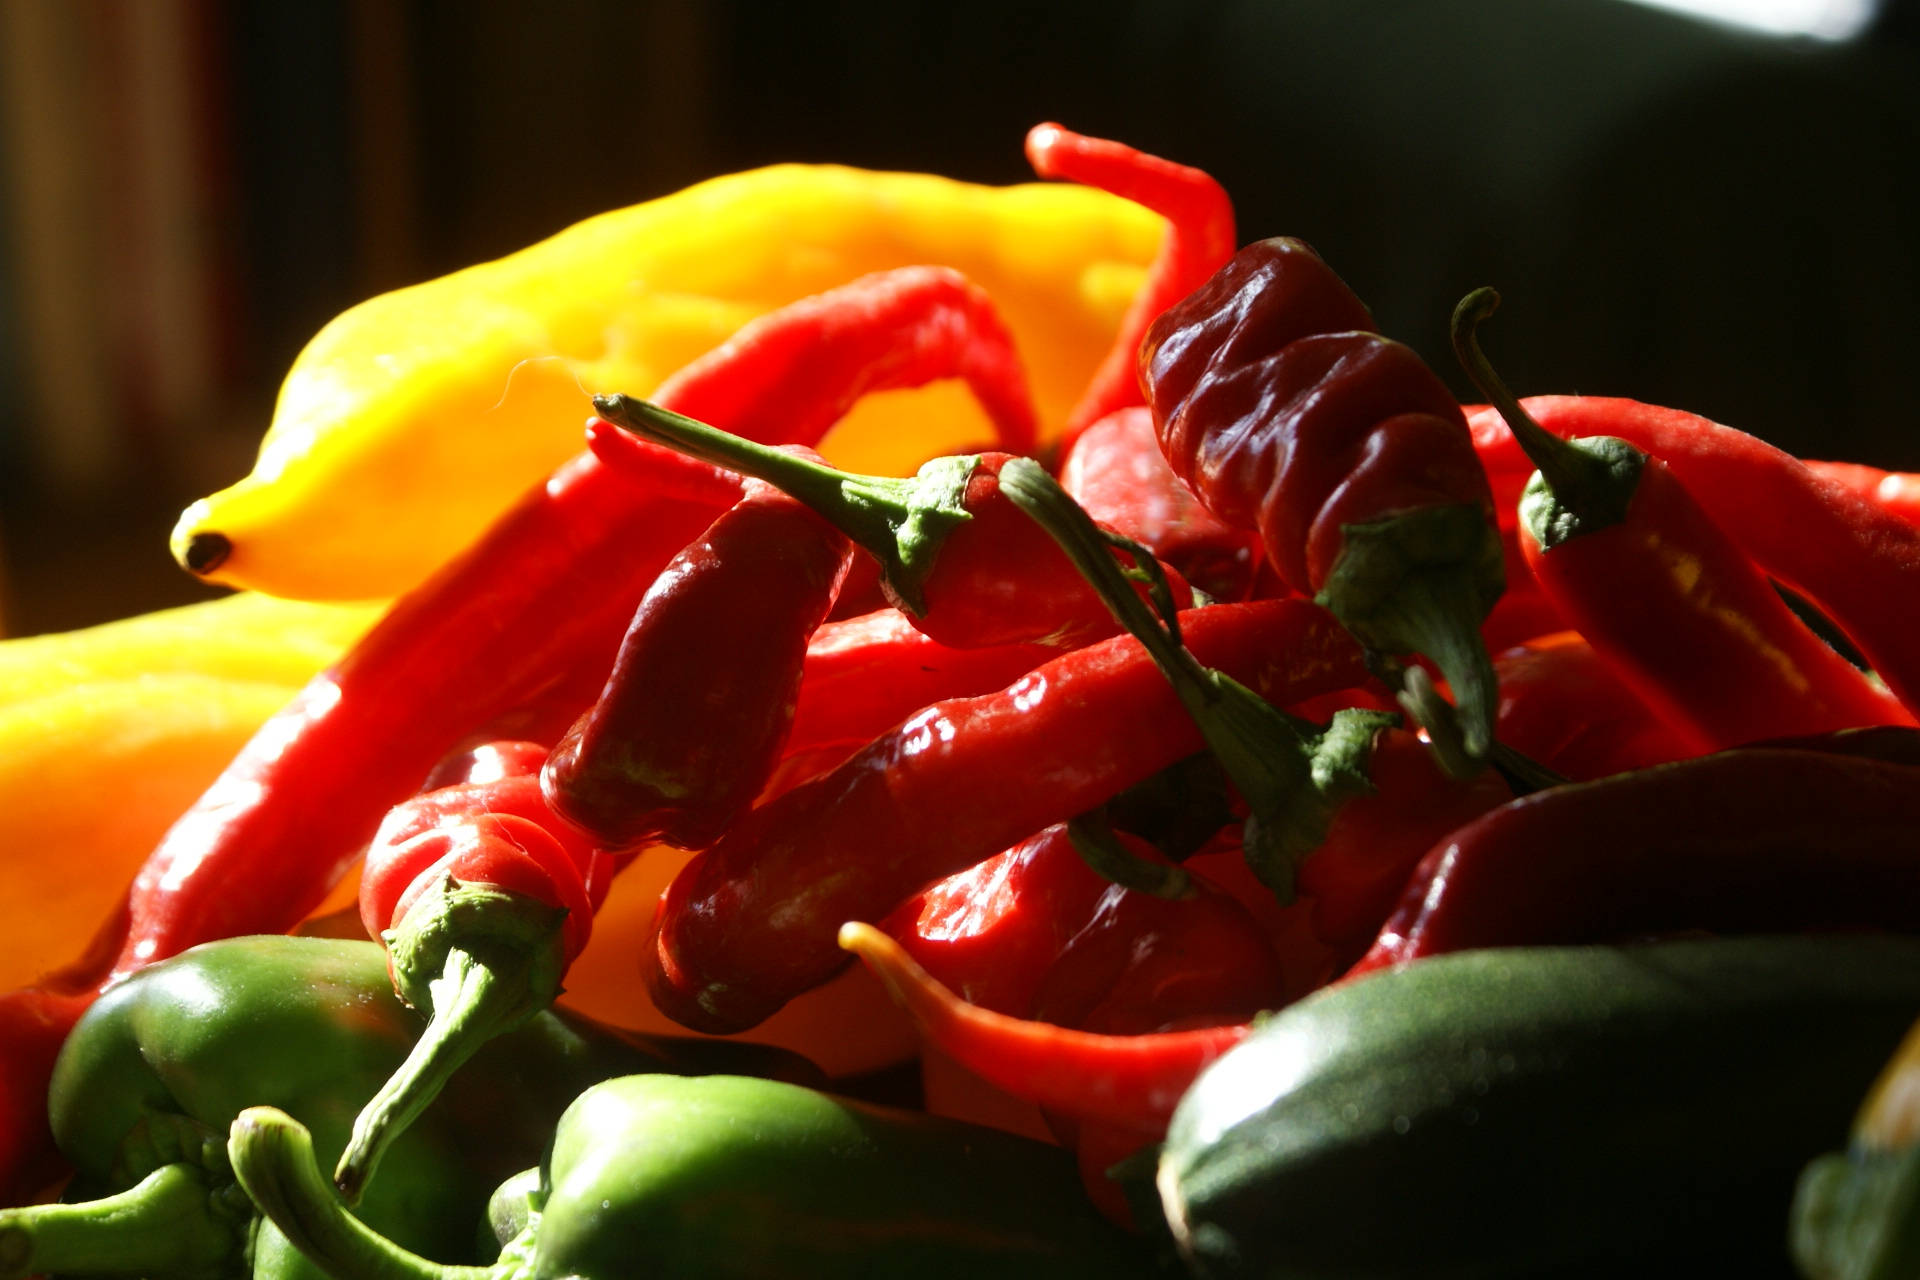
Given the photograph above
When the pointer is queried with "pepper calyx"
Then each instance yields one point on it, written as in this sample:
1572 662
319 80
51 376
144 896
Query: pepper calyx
901 521
1092 837
1551 520
500 958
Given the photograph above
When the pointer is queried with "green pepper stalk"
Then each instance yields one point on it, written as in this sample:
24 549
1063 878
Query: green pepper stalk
955 556
1293 776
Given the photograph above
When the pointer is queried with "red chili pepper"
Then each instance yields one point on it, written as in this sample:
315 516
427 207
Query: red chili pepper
541 599
1200 238
1673 605
1132 1082
750 923
1281 409
484 899
1749 841
1117 472
488 762
702 694
957 556
1375 841
1897 492
1858 561
1562 705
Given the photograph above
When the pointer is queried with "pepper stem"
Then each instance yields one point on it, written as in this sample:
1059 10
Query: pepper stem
500 959
166 1226
902 522
1592 481
272 1155
1277 762
1091 836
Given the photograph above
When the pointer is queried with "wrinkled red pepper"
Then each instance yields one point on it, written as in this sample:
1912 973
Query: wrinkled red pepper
1199 239
694 716
1283 410
750 923
1750 841
1117 472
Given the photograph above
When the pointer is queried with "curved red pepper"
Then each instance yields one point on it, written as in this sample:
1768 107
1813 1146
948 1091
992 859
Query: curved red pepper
750 923
1286 414
701 698
1117 472
1858 561
1748 841
1199 239
1132 1082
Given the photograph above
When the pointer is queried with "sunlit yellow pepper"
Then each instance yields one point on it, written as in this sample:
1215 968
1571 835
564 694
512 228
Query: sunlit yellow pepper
411 420
108 734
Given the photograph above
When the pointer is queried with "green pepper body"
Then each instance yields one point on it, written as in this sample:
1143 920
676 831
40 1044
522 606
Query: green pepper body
161 1065
1563 1112
729 1177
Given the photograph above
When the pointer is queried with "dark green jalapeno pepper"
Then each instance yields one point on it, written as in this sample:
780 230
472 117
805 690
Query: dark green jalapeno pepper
722 1176
154 1074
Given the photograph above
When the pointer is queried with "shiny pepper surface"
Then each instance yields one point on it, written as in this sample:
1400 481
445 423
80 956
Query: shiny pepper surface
415 418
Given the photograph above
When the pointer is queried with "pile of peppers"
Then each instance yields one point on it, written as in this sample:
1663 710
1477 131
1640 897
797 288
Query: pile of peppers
1268 667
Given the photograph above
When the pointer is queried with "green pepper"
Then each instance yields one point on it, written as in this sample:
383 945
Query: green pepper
154 1074
722 1176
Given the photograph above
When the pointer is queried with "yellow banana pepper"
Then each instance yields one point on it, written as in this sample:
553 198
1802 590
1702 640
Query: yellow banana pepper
411 420
108 734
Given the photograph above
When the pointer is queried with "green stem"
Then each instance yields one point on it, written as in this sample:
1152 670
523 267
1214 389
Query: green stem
166 1226
901 521
499 960
272 1155
1592 482
1280 768
1093 839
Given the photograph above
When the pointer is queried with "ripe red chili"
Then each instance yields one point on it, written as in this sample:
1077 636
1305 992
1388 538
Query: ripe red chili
1286 414
1562 705
750 923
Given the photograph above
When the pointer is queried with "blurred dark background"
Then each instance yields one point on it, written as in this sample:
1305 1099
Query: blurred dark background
1676 210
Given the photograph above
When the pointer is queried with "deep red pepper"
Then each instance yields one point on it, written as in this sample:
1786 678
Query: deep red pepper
534 609
1200 237
1858 561
1750 841
694 716
957 556
1662 593
1562 705
750 923
1894 491
1286 414
1117 472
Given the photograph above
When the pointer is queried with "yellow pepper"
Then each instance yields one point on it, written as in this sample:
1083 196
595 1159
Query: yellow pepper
411 420
108 734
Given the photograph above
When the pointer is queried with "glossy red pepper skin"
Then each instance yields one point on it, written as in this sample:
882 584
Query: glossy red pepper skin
1562 705
1894 491
864 675
1200 238
1695 629
1375 841
1117 472
694 716
750 923
1753 841
1858 561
